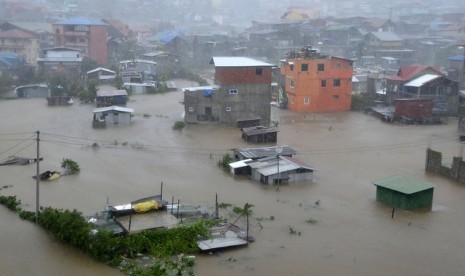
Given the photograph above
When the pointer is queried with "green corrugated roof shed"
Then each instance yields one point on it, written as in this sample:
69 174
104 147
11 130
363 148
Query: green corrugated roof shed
404 193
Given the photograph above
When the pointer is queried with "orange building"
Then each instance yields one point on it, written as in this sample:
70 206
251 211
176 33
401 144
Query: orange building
317 83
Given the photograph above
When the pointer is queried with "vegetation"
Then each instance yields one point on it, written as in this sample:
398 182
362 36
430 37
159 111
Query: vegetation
224 162
71 227
179 125
362 101
70 166
311 221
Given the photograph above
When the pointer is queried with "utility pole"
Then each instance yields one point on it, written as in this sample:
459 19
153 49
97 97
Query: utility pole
279 176
37 178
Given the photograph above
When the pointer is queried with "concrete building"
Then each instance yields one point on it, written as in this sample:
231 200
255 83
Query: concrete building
242 91
19 41
314 82
89 35
60 60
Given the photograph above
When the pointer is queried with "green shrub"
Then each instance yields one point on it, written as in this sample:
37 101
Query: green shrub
179 125
224 162
70 166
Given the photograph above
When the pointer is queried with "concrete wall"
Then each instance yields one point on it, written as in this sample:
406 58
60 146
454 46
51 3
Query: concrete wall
251 101
434 164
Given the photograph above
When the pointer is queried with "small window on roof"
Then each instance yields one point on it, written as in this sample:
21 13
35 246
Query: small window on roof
228 109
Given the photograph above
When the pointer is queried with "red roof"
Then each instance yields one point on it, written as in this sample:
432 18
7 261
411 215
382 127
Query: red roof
408 72
17 33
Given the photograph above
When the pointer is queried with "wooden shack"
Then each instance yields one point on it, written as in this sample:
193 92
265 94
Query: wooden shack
404 193
260 134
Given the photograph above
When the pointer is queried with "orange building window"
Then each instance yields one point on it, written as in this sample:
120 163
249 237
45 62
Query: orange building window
323 83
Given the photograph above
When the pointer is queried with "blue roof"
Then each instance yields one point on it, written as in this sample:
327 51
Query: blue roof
11 61
81 21
457 58
167 36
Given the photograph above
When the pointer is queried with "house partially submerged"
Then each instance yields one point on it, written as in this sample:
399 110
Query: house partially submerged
60 60
404 193
108 96
40 90
112 115
101 74
280 169
262 152
274 169
260 134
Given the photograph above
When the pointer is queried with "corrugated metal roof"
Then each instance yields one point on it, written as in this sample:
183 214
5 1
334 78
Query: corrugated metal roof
101 69
403 184
239 164
238 62
111 93
261 152
420 81
114 108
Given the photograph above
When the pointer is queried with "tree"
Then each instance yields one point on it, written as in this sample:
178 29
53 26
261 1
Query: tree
70 166
88 64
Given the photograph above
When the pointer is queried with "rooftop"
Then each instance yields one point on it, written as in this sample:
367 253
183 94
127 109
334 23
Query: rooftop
238 62
81 21
403 184
420 81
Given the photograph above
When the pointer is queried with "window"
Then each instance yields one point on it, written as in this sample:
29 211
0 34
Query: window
323 83
338 66
336 82
233 91
292 83
228 108
335 97
304 67
191 109
306 100
291 67
258 71
320 67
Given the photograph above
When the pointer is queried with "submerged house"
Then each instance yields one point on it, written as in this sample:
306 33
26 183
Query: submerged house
33 91
112 115
280 169
260 134
274 169
404 193
262 152
101 74
108 96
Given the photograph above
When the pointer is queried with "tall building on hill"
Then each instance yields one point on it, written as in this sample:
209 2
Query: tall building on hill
88 35
314 82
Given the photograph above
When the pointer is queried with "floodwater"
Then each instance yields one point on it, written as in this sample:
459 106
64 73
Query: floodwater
337 226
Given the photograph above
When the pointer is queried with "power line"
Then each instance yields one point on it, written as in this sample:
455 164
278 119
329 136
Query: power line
21 141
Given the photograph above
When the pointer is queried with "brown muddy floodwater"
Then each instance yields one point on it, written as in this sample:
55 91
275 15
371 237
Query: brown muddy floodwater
352 234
